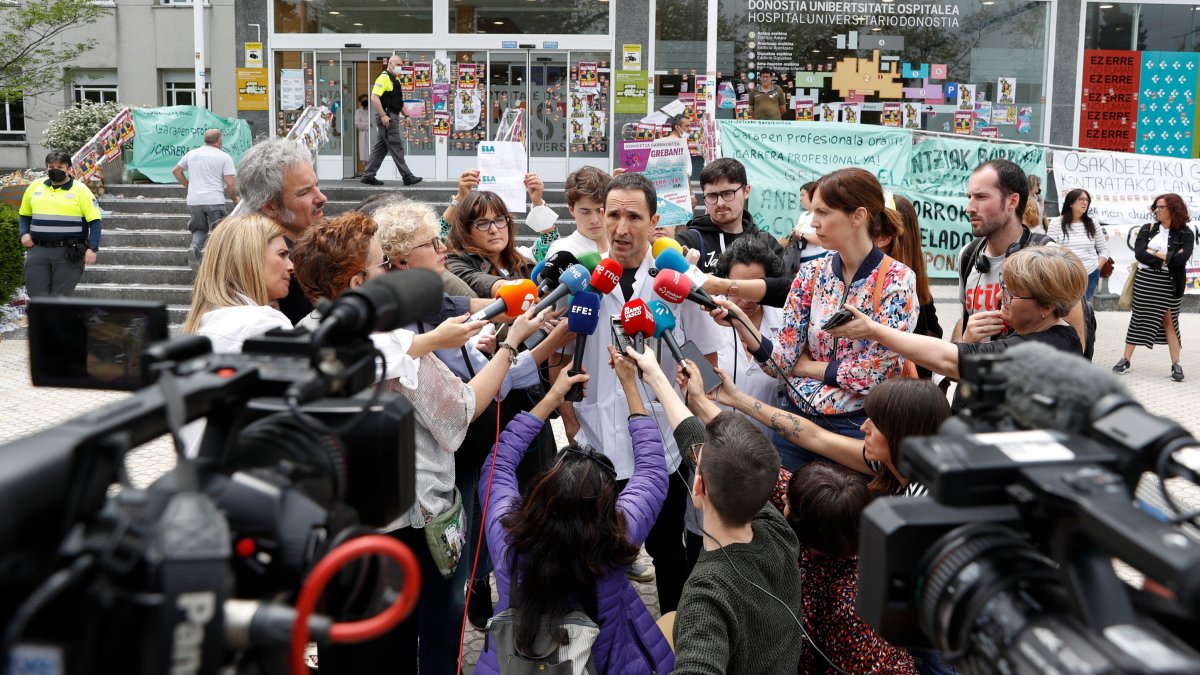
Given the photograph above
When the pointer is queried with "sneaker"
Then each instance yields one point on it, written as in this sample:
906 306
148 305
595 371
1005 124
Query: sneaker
413 180
1177 372
640 572
1122 366
193 259
480 608
372 180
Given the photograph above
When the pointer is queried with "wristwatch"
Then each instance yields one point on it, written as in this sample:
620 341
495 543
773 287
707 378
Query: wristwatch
454 200
733 289
512 358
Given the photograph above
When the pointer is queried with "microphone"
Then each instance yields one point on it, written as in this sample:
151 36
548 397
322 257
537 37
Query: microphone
573 280
664 323
606 276
536 274
513 298
674 287
382 304
552 269
582 319
589 260
637 322
670 259
662 244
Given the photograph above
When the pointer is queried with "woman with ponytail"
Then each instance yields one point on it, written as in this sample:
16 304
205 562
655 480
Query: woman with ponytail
828 378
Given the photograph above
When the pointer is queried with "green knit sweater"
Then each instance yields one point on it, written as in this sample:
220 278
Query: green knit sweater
724 624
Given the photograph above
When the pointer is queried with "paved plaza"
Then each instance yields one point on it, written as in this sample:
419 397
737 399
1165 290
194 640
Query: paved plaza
28 409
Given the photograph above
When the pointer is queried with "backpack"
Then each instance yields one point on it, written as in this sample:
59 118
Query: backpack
562 647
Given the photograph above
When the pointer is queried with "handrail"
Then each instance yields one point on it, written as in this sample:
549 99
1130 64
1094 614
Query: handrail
83 171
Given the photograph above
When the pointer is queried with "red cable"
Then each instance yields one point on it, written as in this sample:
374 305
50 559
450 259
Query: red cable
462 635
366 629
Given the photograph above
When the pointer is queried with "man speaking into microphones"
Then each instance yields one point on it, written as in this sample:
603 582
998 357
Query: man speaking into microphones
629 211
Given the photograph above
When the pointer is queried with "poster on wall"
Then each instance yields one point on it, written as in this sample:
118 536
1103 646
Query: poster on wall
1006 91
580 128
891 116
966 97
827 112
630 89
741 110
804 110
1025 120
467 77
588 78
441 124
423 72
441 72
726 96
963 122
408 79
466 110
851 113
910 115
414 108
983 112
1167 110
1108 106
439 96
291 88
989 132
631 57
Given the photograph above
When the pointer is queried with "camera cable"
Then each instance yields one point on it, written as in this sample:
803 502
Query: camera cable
317 426
40 597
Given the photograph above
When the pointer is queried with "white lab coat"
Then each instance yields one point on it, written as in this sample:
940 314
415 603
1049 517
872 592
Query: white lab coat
746 373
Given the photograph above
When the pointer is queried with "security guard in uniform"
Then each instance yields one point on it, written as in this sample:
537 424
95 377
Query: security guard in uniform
388 101
60 225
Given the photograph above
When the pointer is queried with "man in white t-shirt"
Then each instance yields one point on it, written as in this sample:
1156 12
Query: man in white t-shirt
209 178
585 201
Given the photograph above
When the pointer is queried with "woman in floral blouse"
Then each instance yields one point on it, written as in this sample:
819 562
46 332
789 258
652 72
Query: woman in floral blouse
828 378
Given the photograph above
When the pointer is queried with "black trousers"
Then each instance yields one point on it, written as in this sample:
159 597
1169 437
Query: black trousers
665 544
389 141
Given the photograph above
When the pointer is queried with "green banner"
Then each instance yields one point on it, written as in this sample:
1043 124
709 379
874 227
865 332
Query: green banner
164 135
781 156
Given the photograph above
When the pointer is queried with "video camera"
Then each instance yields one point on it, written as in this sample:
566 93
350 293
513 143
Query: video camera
197 572
1008 566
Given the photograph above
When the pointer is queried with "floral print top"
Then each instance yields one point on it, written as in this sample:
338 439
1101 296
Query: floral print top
854 366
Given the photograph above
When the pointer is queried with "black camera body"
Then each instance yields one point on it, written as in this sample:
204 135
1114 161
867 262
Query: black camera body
1007 566
196 573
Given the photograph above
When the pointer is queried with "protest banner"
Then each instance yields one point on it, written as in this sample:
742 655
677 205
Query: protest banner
502 169
665 162
163 135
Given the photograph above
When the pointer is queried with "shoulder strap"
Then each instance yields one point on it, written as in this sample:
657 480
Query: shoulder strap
909 369
968 259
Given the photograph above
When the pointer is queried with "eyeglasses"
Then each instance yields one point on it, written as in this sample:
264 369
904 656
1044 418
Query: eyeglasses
1007 296
727 195
1159 206
386 265
483 225
436 243
694 451
591 453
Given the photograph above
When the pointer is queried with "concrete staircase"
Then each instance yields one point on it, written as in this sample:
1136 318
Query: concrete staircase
143 252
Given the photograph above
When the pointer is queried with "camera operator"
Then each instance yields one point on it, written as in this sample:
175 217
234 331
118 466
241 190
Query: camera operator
247 268
332 257
1041 285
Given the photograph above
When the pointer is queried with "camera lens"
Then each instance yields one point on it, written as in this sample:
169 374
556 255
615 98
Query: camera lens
982 585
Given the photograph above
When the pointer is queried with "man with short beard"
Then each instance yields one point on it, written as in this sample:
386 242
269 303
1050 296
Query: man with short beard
276 178
726 190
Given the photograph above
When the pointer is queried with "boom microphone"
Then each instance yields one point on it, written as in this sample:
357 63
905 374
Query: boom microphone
606 276
582 319
589 260
664 324
382 304
573 280
674 287
637 322
513 298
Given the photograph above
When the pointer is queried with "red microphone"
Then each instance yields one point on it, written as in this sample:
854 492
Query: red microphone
674 287
637 322
606 276
513 298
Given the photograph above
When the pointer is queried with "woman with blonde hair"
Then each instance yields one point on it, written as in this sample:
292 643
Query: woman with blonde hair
246 268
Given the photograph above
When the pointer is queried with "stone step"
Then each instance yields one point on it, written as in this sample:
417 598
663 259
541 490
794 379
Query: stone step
152 238
144 221
128 275
130 210
349 190
166 294
140 256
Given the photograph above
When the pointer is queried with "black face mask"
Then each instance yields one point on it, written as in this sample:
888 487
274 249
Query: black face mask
57 175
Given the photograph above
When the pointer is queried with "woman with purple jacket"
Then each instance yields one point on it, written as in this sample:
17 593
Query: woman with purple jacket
572 536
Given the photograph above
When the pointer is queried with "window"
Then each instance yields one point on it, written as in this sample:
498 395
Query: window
97 86
576 17
351 18
12 119
184 93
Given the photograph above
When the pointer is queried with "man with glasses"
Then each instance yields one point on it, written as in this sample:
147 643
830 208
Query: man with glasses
723 182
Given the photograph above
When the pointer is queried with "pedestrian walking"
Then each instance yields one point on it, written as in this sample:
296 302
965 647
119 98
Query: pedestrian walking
209 179
388 102
60 225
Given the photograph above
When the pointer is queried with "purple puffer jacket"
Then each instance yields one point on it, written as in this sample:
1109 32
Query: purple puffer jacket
629 642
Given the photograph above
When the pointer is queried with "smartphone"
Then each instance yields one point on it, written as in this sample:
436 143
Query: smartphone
838 318
707 374
619 339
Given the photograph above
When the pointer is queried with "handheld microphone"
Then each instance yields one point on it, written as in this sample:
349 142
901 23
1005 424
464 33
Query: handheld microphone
572 280
536 275
637 322
674 287
582 319
662 244
552 269
513 298
606 276
589 260
382 304
671 259
664 324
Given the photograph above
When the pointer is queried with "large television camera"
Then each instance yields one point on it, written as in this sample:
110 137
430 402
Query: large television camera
198 573
1008 566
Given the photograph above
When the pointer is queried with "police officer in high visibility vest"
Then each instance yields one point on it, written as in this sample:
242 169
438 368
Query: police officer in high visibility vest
388 101
60 225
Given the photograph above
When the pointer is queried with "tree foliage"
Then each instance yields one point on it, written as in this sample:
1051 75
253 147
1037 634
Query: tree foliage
32 50
74 126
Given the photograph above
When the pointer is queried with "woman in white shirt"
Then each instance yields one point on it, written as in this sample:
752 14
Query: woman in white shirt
247 267
1079 233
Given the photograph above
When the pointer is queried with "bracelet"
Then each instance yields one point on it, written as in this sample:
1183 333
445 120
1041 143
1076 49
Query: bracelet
505 345
454 200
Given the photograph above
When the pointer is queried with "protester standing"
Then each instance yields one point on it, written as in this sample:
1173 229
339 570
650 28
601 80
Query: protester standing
388 102
1079 233
1162 250
59 222
767 100
726 191
209 178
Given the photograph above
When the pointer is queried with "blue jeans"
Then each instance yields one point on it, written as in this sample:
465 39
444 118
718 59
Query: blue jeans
792 456
1093 282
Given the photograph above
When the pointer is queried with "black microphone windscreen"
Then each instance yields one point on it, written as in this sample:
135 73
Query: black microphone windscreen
388 302
1051 389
